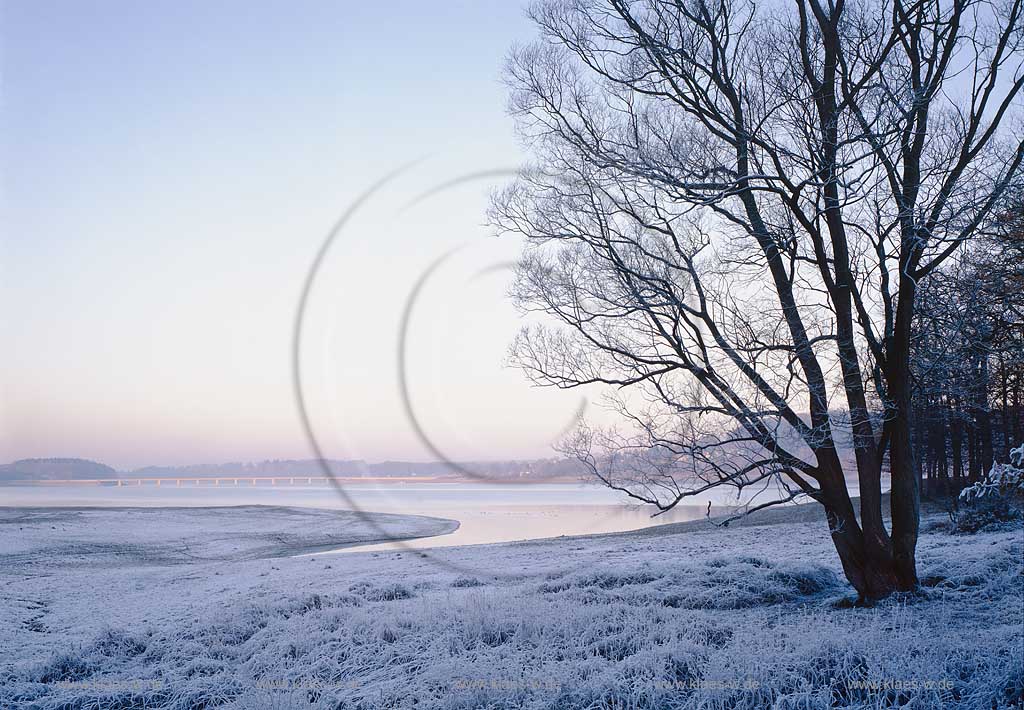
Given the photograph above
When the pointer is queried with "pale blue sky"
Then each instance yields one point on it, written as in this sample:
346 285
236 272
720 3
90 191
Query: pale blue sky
169 170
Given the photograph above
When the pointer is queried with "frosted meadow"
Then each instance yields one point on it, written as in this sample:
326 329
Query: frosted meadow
680 616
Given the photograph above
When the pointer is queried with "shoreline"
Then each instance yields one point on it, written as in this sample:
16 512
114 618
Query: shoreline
788 514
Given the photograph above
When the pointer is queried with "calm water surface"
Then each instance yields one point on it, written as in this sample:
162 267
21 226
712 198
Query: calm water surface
487 513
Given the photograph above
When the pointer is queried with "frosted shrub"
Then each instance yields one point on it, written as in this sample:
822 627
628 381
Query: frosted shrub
993 500
1003 481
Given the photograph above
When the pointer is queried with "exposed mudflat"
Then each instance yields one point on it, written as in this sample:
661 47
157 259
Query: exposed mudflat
48 538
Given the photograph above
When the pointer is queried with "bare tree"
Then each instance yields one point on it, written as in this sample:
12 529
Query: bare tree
731 208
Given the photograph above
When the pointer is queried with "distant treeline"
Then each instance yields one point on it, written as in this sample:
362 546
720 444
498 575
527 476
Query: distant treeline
532 469
79 469
969 362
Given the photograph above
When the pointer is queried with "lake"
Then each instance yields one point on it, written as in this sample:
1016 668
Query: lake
487 513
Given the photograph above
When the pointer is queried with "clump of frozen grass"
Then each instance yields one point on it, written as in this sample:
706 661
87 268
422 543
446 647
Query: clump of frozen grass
77 664
719 583
383 593
317 602
66 667
987 569
114 643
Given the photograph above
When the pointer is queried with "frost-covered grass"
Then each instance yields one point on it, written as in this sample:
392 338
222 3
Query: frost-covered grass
735 618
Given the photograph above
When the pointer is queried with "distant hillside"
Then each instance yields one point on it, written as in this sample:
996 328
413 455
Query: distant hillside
50 469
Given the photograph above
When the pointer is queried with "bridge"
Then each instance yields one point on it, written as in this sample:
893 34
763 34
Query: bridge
211 481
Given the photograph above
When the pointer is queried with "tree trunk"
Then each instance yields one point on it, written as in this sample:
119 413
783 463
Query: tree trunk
973 460
957 433
984 415
941 454
923 443
866 553
870 569
1018 411
905 493
905 506
1004 390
